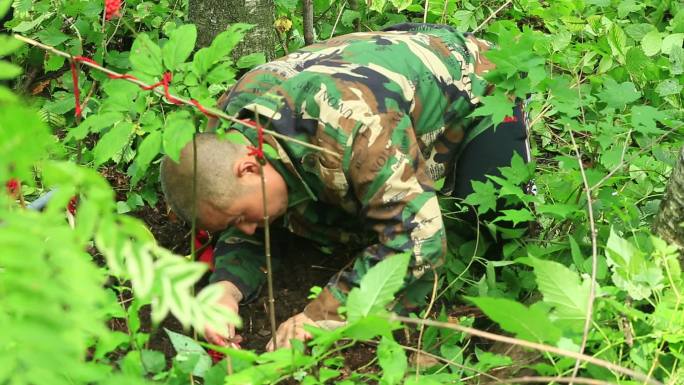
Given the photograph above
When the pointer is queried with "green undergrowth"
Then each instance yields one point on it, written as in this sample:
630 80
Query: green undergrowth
604 80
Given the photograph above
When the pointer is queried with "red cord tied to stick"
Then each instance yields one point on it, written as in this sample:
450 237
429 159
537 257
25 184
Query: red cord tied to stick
164 83
257 151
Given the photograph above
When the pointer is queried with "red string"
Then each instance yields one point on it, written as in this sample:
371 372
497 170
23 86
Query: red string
165 83
259 150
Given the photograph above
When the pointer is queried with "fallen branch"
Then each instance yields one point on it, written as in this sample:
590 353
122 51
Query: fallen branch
206 110
530 345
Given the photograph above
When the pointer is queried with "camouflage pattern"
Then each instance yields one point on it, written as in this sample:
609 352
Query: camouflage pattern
394 106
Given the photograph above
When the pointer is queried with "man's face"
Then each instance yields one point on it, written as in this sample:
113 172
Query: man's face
246 213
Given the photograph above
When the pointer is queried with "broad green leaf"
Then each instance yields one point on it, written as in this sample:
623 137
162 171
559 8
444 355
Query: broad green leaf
531 323
617 39
377 287
557 210
186 347
180 45
152 361
644 119
483 196
672 41
563 290
251 60
400 5
516 216
632 271
148 150
677 60
9 70
392 360
652 42
618 95
669 87
519 172
112 142
8 45
26 26
498 106
94 123
377 5
146 56
219 49
177 133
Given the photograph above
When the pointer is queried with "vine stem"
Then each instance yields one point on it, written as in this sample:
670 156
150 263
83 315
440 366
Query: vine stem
531 345
210 110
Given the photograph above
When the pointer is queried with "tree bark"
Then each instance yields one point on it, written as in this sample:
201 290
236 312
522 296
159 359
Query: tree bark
308 21
214 16
668 222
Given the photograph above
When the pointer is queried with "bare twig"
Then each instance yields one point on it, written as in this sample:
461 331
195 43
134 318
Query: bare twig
491 16
267 250
307 20
337 20
589 314
535 379
530 345
211 110
433 297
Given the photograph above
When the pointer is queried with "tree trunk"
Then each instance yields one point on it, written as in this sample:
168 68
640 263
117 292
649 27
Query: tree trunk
668 222
214 16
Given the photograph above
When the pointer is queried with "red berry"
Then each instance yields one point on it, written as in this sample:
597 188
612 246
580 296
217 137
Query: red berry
72 205
112 8
13 186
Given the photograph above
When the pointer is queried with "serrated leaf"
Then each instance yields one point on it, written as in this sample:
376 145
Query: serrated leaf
557 210
617 39
672 41
146 56
177 133
377 5
251 60
180 45
530 323
516 216
632 271
563 290
668 87
644 119
652 42
112 142
498 106
618 95
186 347
483 196
377 287
392 360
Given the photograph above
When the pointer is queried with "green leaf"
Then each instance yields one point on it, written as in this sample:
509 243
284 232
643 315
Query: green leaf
9 70
668 87
377 5
177 133
112 142
146 56
498 106
392 360
516 216
533 323
677 60
563 290
153 361
251 60
557 210
617 39
632 272
401 5
8 45
672 41
186 347
147 151
222 45
180 45
618 95
483 196
652 42
644 119
377 287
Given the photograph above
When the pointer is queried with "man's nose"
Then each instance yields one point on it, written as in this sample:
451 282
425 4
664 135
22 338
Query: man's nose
247 227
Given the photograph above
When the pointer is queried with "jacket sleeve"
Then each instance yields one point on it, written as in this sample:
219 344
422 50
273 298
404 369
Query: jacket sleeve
240 259
386 171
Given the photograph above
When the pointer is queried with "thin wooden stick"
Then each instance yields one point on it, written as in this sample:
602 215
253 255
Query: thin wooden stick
307 21
267 250
493 14
210 110
531 345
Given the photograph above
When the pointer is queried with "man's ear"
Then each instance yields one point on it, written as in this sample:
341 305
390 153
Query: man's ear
246 166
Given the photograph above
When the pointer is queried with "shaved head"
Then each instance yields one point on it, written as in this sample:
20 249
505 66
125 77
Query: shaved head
217 184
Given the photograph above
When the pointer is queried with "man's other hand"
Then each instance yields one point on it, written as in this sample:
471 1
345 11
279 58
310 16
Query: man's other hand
231 300
293 328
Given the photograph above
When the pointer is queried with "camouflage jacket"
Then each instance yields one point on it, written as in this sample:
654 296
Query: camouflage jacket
393 107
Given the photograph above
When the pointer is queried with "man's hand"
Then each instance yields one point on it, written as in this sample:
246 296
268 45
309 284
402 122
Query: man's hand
293 328
231 299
